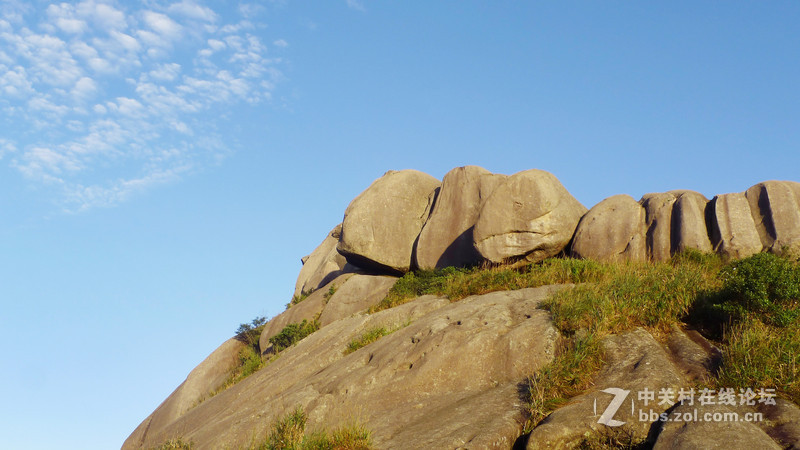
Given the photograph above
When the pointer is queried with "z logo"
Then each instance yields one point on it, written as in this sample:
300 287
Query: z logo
607 417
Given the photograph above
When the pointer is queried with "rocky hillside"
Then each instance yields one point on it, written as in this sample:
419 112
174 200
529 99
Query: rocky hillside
427 371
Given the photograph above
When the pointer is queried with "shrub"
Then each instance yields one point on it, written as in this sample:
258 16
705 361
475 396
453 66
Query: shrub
763 283
293 333
288 432
250 333
175 444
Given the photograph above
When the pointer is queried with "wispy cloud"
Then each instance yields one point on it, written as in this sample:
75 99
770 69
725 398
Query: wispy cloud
355 4
104 101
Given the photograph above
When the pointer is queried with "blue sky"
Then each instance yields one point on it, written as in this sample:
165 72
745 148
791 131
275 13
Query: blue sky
164 165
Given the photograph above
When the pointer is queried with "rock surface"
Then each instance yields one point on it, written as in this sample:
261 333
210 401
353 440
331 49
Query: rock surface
322 265
529 215
381 225
446 239
448 379
734 234
712 434
308 309
613 230
689 229
634 362
658 220
775 206
356 294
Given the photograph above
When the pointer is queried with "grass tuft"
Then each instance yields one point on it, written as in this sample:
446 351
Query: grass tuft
288 432
293 333
576 361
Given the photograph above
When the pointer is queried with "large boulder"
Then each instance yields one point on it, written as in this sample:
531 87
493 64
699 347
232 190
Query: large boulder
613 230
447 378
689 228
775 207
446 238
529 215
733 230
356 294
712 434
658 219
322 265
381 224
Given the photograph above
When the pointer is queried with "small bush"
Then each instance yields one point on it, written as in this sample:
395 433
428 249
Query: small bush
299 298
763 283
288 432
175 444
250 333
293 333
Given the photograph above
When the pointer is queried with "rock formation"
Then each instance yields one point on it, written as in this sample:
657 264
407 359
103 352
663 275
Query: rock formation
446 239
322 265
529 215
452 374
381 225
613 230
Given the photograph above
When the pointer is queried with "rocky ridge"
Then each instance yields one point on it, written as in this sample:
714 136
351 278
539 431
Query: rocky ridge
450 376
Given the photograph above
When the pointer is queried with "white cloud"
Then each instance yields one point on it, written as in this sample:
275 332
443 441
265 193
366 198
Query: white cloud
104 16
102 101
194 11
6 147
280 43
355 4
166 72
165 27
84 89
14 82
216 45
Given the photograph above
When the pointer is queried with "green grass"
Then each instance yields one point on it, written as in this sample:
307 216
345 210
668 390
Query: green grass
371 335
288 432
576 362
630 295
293 333
175 444
456 283
299 298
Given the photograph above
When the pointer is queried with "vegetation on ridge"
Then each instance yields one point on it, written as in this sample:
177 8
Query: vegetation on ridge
288 432
749 307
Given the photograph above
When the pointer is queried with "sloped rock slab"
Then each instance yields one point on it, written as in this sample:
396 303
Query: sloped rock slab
427 385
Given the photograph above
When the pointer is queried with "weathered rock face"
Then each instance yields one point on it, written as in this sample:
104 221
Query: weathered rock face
775 206
381 224
734 233
634 361
322 265
712 434
309 309
658 219
446 239
529 215
356 294
689 229
613 230
448 379
204 379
